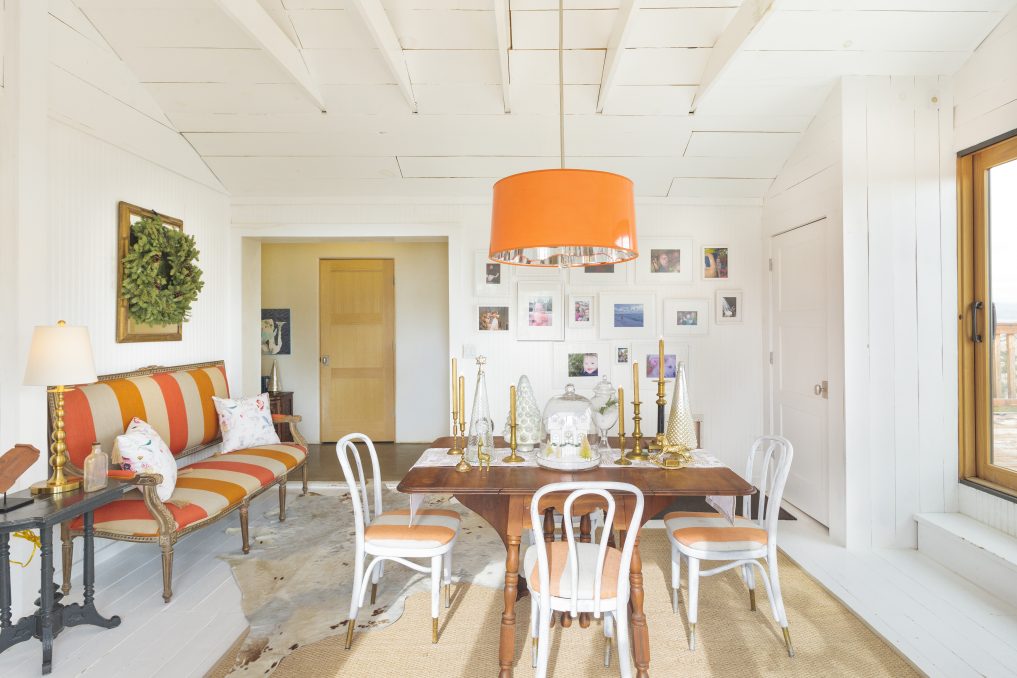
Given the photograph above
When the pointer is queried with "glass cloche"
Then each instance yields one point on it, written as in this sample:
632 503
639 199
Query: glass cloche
567 425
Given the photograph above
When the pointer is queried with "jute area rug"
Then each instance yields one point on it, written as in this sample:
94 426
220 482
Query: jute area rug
289 641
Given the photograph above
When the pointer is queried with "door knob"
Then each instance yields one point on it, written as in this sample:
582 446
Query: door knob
324 360
821 389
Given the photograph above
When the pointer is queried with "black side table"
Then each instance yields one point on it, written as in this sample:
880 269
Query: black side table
52 616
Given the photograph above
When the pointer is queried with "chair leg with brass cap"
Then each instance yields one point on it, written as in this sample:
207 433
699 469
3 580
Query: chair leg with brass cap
374 592
349 632
448 579
787 642
434 630
693 601
750 581
436 573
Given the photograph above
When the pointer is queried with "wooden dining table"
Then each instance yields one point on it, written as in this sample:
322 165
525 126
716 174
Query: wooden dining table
501 495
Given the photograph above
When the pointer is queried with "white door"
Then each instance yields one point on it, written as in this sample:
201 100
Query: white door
799 373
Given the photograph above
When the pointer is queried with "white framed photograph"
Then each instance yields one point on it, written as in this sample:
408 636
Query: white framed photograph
581 310
621 353
729 306
540 313
716 260
664 261
491 279
580 363
684 317
627 315
605 274
493 316
647 354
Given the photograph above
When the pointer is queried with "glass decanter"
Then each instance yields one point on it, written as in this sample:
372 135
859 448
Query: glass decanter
605 411
481 424
96 465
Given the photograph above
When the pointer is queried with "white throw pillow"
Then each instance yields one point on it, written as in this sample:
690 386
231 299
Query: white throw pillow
142 450
245 422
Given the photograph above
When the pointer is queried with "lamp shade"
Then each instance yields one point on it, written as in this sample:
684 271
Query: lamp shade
60 355
563 217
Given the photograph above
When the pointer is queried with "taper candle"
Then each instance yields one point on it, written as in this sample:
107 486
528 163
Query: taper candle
621 411
512 404
660 360
635 381
462 399
455 391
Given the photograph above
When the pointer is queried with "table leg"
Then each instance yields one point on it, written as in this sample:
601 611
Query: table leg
89 565
5 580
507 646
548 538
585 531
85 612
640 632
46 597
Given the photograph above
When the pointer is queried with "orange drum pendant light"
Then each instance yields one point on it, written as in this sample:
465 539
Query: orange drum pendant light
563 217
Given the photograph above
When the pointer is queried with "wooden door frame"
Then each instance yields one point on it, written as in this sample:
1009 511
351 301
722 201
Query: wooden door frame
395 346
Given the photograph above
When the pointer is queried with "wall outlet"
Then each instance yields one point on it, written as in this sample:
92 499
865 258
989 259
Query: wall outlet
469 350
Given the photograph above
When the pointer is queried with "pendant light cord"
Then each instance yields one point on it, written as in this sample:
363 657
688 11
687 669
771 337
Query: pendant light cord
561 81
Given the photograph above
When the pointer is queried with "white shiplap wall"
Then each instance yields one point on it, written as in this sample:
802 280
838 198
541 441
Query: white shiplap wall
726 366
986 107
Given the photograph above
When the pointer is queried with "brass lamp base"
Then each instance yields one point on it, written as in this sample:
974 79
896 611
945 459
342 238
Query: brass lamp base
68 485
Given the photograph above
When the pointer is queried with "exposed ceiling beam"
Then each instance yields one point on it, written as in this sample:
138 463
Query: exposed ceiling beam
749 17
503 28
257 23
373 14
616 49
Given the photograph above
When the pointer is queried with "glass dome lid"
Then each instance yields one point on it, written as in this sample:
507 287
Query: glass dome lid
567 424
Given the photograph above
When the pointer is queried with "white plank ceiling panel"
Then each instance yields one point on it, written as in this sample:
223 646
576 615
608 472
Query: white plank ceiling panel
261 136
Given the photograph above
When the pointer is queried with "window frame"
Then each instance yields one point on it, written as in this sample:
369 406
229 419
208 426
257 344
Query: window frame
973 269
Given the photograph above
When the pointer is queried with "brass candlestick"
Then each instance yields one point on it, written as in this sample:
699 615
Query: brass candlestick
658 443
622 460
513 458
455 408
638 453
463 466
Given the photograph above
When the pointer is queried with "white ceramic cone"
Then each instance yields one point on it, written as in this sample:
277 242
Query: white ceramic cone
527 416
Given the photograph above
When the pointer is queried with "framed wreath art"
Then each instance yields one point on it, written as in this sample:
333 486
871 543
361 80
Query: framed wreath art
158 279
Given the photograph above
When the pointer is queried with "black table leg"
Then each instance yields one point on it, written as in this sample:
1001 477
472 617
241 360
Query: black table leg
5 581
46 598
86 613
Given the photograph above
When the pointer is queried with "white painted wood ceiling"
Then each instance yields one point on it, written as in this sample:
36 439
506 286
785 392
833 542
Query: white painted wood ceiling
262 134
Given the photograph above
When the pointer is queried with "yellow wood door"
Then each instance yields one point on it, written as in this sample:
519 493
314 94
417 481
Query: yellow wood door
357 321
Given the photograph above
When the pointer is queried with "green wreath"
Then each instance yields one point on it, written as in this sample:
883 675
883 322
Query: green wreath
161 278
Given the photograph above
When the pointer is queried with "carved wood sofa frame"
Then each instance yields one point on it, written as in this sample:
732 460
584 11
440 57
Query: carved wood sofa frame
167 536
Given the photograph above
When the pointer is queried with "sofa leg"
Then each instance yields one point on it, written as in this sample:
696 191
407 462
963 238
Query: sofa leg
68 555
243 527
304 476
167 569
282 501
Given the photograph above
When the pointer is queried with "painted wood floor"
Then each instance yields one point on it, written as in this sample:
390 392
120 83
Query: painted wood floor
180 639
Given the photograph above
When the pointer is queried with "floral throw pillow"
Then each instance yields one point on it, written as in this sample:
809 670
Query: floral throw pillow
142 450
245 422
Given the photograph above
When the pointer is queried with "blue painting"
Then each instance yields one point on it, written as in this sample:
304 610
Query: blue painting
628 315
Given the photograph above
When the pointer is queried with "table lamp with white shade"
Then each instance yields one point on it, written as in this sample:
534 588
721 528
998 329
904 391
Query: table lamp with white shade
59 355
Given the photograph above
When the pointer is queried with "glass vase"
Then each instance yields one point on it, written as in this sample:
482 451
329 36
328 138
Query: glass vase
605 411
481 429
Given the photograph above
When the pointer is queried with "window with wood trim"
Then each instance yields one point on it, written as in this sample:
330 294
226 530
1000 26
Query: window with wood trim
987 315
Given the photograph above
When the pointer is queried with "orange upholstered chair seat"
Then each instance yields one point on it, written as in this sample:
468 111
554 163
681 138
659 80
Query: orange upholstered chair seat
712 532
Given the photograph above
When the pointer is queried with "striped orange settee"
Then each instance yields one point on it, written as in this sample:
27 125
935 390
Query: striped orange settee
177 402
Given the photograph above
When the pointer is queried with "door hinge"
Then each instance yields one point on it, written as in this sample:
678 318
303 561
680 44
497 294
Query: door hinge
771 357
771 264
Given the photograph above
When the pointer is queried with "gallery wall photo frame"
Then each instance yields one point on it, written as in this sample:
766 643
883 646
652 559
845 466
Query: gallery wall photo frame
582 364
605 274
621 353
627 315
685 317
493 316
582 311
275 331
540 311
716 262
491 279
665 261
729 307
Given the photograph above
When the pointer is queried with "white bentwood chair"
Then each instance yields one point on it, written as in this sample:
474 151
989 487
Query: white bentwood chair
389 535
601 572
709 536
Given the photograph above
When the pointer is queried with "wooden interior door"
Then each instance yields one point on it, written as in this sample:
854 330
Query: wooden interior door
357 344
799 377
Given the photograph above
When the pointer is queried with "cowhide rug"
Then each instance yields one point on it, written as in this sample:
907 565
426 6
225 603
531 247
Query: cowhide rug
298 577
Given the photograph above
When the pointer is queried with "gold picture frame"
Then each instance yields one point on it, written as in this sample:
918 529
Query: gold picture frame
129 330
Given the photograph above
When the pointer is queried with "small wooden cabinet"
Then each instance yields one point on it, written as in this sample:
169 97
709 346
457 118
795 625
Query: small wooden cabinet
281 402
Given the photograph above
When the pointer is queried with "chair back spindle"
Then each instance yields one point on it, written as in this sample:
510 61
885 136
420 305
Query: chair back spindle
768 466
345 449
